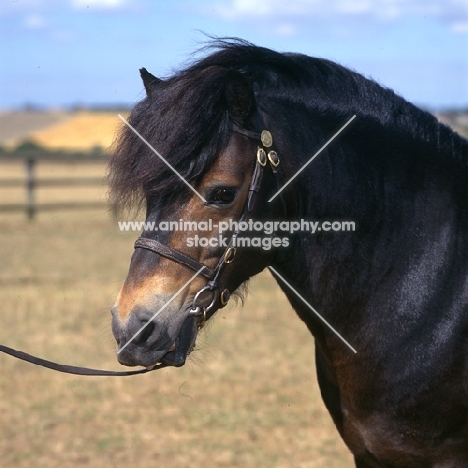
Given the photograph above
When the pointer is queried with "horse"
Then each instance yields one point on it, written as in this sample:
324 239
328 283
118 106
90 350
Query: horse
227 141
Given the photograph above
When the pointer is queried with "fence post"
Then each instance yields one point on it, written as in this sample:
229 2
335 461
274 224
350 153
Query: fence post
30 186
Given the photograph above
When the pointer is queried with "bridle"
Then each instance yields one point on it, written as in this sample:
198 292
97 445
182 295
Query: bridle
219 294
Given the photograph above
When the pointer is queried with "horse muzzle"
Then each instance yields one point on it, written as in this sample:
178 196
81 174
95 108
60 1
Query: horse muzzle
144 341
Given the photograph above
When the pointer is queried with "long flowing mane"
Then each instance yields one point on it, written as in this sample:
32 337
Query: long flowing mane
186 122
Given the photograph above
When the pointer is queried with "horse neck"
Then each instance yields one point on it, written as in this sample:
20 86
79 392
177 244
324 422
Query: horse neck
403 192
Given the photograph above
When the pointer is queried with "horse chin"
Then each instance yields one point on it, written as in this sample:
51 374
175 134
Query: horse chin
183 346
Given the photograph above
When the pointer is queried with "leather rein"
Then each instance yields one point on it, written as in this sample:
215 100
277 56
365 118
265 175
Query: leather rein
76 370
220 295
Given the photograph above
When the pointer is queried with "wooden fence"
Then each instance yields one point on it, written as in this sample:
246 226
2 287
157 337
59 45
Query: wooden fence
32 183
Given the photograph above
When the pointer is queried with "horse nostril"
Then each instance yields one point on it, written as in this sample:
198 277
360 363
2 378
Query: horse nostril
145 334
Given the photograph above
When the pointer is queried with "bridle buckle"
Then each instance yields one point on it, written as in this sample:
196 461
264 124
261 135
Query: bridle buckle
229 255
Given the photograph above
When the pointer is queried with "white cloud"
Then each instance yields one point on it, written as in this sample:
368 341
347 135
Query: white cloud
34 22
234 9
98 4
460 27
449 11
286 29
353 7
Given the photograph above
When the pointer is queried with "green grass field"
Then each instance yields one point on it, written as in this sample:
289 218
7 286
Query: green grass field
248 396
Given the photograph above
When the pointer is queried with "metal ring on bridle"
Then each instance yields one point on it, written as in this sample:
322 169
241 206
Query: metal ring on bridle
224 298
198 310
201 322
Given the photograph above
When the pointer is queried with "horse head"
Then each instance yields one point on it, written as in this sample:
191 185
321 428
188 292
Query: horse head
203 169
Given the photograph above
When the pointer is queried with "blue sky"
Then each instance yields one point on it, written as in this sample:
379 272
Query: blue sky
68 52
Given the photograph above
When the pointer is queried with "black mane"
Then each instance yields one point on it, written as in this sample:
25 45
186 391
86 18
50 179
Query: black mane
186 122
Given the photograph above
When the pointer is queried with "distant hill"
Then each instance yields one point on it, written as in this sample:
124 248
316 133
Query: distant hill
81 130
16 127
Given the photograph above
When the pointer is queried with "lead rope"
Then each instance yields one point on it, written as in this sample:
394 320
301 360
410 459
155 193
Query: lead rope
76 370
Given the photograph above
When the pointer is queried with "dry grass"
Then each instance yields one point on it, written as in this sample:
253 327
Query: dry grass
247 398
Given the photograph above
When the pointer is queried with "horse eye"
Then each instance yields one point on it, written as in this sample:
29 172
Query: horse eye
223 196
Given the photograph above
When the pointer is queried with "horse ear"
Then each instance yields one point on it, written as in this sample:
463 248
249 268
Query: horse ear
149 80
240 99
